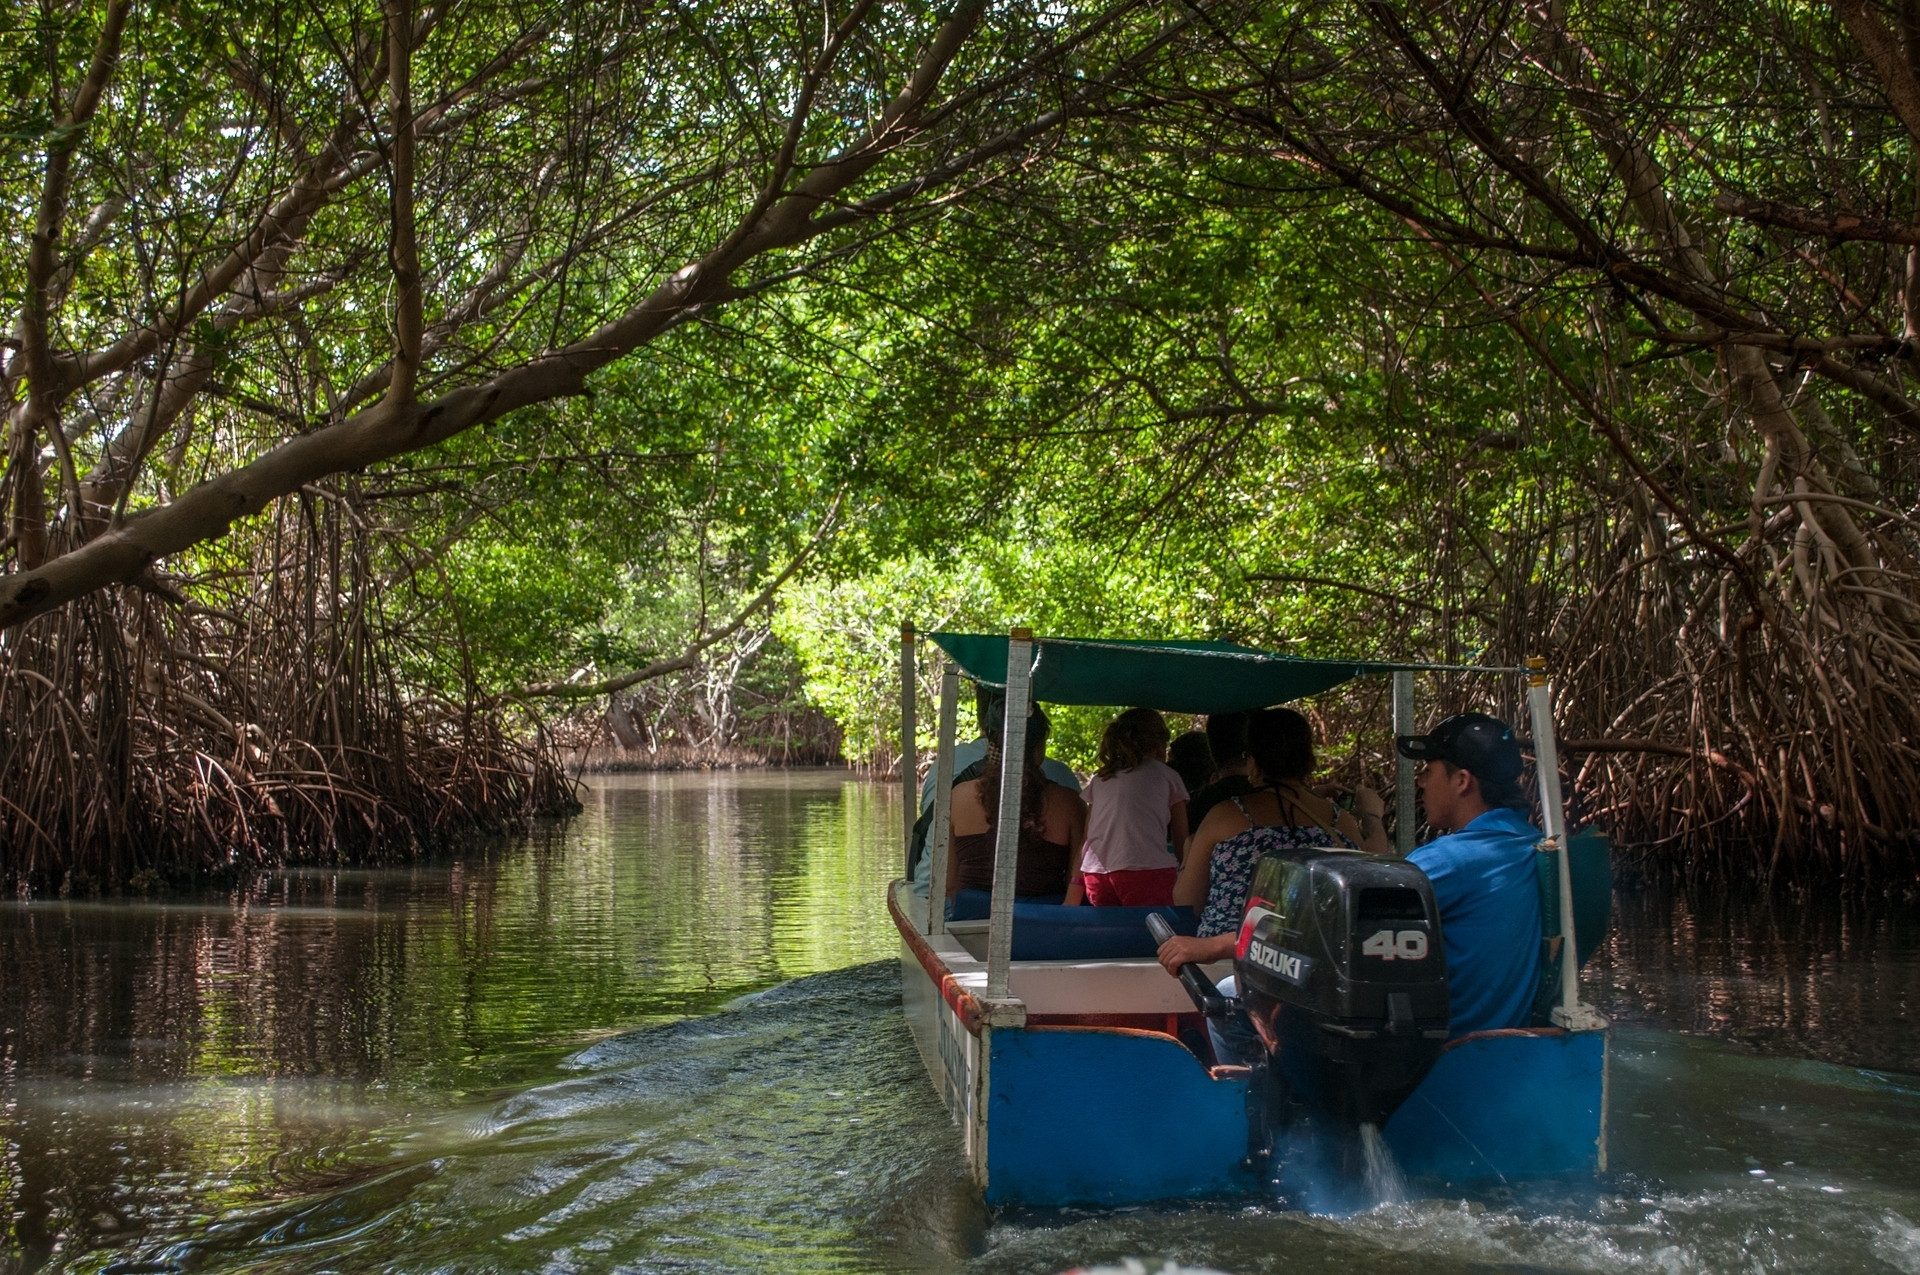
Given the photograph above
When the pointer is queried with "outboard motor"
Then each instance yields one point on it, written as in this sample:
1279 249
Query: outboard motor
1343 977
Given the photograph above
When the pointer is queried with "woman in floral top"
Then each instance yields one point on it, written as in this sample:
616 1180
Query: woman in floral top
1282 813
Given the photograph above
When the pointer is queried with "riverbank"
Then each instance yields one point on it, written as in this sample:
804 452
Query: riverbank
670 758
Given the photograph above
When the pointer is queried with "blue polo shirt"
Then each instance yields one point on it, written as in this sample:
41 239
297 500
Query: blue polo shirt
1487 887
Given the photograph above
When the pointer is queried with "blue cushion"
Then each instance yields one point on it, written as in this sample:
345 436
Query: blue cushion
1045 931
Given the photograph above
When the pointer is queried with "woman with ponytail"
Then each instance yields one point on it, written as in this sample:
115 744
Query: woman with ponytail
1053 820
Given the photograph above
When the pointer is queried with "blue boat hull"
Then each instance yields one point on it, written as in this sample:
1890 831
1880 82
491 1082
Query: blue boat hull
1109 1116
1061 1114
1507 1105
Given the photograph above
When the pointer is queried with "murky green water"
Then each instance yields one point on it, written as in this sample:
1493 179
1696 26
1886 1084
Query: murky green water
546 1057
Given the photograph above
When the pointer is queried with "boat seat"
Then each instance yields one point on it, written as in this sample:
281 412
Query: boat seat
1043 930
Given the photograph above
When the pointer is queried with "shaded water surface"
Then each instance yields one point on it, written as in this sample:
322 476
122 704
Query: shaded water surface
560 1055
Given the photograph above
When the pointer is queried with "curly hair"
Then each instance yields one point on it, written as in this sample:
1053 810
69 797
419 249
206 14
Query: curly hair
1130 739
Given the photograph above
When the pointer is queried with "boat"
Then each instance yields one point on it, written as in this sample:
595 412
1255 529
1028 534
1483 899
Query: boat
1055 1039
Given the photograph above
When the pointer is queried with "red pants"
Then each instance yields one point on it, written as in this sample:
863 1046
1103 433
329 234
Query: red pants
1148 888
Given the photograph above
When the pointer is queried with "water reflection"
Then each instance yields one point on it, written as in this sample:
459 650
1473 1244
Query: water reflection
1826 979
165 1061
511 1061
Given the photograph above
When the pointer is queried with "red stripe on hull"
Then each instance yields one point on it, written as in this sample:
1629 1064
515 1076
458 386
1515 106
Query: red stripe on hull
958 998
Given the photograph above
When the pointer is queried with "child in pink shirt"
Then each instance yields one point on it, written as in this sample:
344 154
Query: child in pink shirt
1138 809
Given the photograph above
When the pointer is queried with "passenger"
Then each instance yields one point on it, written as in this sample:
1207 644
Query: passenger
1191 757
969 762
1053 824
969 756
1483 872
1137 811
1227 736
1280 812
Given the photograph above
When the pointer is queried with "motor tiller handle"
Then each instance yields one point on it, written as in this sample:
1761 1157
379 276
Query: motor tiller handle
1206 997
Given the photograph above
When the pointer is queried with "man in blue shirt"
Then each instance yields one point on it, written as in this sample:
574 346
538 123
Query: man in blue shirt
1482 872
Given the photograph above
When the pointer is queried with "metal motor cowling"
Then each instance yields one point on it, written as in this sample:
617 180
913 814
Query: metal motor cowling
1343 976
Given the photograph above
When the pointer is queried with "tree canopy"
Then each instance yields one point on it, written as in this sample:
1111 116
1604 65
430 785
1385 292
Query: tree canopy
495 354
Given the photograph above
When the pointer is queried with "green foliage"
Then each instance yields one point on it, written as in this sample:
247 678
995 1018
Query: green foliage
1337 329
846 631
1120 411
520 603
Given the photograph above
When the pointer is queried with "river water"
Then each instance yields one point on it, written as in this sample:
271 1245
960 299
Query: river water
666 1037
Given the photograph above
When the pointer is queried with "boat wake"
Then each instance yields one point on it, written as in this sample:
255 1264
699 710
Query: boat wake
1334 1170
793 1133
797 1133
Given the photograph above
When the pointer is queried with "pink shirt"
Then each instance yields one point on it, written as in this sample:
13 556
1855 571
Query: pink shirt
1127 825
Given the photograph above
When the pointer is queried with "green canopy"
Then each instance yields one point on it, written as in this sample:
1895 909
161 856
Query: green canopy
1176 677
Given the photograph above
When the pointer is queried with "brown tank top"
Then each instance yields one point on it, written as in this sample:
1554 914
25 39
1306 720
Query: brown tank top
1041 868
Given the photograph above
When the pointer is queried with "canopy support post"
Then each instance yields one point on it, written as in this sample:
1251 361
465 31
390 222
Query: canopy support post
1403 815
1569 1013
909 747
1006 850
939 834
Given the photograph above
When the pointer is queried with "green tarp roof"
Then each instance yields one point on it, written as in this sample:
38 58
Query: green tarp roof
1176 677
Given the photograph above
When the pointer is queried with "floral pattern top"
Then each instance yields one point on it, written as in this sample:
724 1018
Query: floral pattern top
1230 869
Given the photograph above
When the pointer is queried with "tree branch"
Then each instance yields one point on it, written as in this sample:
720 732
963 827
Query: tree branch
336 168
390 428
1835 226
40 412
282 222
1891 400
1883 52
1873 343
405 250
1660 748
797 122
691 656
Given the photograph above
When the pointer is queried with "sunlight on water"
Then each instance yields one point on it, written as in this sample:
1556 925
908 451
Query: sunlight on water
169 1060
560 1055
